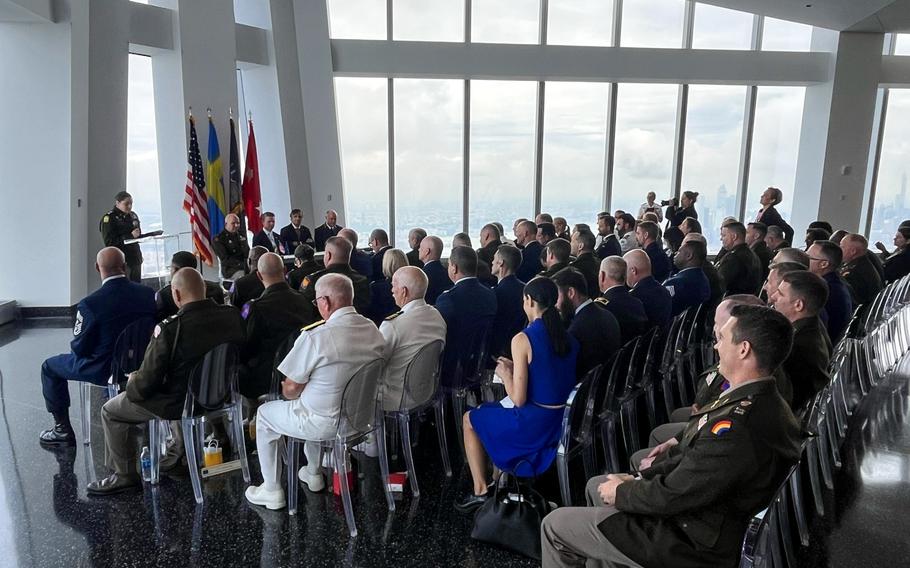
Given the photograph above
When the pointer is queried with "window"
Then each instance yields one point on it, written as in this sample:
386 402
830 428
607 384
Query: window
720 28
775 146
505 21
580 22
781 35
902 44
652 23
363 126
503 117
643 155
574 138
357 19
142 160
891 204
428 20
714 129
428 161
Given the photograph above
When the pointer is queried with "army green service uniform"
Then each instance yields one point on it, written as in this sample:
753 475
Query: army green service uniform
361 289
232 249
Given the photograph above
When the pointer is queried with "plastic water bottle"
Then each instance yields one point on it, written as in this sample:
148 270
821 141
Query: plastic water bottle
145 459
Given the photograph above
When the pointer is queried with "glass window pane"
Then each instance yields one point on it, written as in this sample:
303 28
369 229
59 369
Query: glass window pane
429 115
574 138
363 126
505 21
357 19
643 157
428 20
503 116
781 35
714 129
891 204
902 45
142 157
652 23
775 146
580 22
720 28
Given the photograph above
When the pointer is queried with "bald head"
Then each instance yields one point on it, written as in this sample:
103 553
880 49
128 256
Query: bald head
333 292
231 222
408 283
430 248
110 261
187 286
350 235
638 266
271 269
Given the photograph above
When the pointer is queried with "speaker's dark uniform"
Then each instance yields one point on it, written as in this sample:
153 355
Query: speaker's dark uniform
116 227
232 249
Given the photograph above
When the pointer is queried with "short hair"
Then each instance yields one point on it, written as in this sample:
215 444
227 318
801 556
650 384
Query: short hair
304 252
296 211
560 219
421 234
499 227
650 216
349 234
392 260
547 229
776 195
736 228
817 234
337 286
775 232
614 267
857 239
698 237
831 252
838 235
784 268
694 224
184 259
571 278
586 240
822 225
650 228
561 249
609 219
491 227
529 226
380 236
791 254
628 219
578 227
545 218
414 279
511 257
465 259
699 251
808 287
266 214
339 247
743 300
464 238
256 253
767 331
761 228
122 196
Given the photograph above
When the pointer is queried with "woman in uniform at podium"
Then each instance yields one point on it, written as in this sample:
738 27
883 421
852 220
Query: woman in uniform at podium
121 224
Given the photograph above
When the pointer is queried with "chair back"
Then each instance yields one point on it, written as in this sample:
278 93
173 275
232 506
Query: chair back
283 349
466 361
653 357
636 367
578 415
669 354
213 380
359 401
129 349
421 378
616 381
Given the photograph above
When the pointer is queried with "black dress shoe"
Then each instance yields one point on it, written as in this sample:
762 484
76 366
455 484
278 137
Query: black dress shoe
471 503
57 436
113 484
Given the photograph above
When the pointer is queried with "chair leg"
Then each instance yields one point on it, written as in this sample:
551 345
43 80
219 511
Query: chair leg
786 532
341 466
404 427
239 442
458 406
191 444
154 449
439 407
292 459
799 510
85 402
562 467
384 461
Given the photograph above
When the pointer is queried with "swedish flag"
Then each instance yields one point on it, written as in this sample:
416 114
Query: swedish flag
214 182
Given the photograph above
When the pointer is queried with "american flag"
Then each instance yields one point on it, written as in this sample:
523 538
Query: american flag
195 201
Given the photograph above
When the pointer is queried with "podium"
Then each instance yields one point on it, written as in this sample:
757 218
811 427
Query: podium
157 249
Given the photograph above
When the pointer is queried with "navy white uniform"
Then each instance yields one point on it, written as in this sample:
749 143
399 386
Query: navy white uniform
406 332
688 288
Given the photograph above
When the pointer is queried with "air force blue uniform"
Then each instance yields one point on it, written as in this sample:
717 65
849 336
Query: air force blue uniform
468 307
100 318
656 299
688 288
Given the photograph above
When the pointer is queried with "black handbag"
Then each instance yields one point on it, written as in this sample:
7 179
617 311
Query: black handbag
511 519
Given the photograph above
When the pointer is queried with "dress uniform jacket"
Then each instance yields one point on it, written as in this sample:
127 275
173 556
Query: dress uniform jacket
628 311
550 272
292 237
660 262
178 344
164 300
693 508
361 288
232 249
715 282
609 246
270 319
589 266
467 308
764 255
323 232
688 288
406 332
116 227
246 288
807 364
261 239
485 254
711 384
656 299
897 265
598 335
862 278
414 258
363 263
510 315
438 280
878 264
376 264
741 270
839 307
295 277
530 262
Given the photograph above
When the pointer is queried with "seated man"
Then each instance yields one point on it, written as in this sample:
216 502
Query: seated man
858 270
595 328
100 318
165 300
656 298
627 309
825 259
248 286
296 233
158 388
304 265
270 319
739 267
585 260
267 237
231 248
324 358
606 241
379 244
407 331
509 290
648 234
715 282
692 507
437 275
337 261
530 251
415 236
689 288
361 262
556 257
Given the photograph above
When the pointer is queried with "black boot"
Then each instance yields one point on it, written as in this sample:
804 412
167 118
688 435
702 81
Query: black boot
61 434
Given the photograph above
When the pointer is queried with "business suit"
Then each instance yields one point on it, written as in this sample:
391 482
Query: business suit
656 299
376 264
609 246
437 280
510 314
598 335
688 289
660 262
807 364
292 237
770 217
323 233
628 311
839 307
741 270
589 266
468 308
530 261
270 241
863 279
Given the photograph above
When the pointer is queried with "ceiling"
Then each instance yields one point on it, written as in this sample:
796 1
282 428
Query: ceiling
840 15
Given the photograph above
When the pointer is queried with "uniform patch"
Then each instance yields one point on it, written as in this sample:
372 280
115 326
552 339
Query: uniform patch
393 316
106 219
710 378
157 331
745 403
602 301
671 290
702 421
306 282
77 329
721 427
245 312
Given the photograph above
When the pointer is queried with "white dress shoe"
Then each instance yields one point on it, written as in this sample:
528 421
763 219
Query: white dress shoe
314 482
259 495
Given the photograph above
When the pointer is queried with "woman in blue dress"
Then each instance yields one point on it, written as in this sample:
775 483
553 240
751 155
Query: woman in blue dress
523 439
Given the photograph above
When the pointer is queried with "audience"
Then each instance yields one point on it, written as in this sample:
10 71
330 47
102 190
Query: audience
304 265
379 244
775 238
740 267
627 309
530 250
595 328
562 228
437 275
689 287
858 270
337 260
824 260
163 299
415 236
648 235
361 262
509 290
606 242
789 254
382 302
897 264
690 225
656 298
585 260
546 232
715 281
755 238
462 240
816 234
625 228
248 286
778 271
556 257
489 243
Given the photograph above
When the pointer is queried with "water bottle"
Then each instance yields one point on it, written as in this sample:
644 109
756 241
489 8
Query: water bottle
145 459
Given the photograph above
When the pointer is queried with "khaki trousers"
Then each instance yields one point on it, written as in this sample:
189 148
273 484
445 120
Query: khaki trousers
118 416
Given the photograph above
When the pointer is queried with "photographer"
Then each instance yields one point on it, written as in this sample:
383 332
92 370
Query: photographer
676 214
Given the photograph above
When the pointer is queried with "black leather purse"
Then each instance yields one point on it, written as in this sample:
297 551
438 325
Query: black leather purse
511 518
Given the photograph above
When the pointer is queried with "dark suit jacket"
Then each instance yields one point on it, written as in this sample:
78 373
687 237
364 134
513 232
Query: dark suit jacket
414 258
598 335
863 279
764 255
510 315
467 308
807 364
245 289
363 263
589 266
376 264
295 277
770 217
530 262
628 310
438 280
660 262
382 304
878 264
291 238
897 265
260 239
839 306
608 247
485 254
656 300
361 289
323 232
688 289
741 270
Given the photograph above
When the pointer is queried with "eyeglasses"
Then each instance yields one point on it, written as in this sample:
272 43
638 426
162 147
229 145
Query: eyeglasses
817 259
316 300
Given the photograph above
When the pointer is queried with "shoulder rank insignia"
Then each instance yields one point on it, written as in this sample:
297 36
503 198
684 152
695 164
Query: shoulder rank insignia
702 421
721 428
312 325
106 219
602 301
393 316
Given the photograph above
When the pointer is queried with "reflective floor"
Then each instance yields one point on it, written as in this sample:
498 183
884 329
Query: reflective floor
46 519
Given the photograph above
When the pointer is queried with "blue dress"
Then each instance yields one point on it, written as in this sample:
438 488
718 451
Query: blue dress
530 433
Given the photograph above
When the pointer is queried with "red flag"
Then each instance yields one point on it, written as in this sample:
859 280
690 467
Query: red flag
252 199
195 201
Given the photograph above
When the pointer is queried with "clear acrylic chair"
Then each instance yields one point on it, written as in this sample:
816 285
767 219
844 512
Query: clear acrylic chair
420 391
359 415
280 354
577 435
